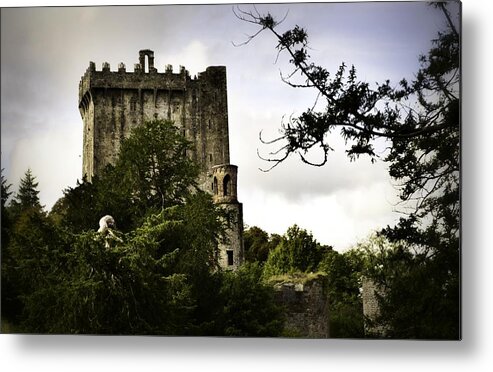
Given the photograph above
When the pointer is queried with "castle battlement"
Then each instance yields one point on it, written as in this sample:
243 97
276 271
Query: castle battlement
142 78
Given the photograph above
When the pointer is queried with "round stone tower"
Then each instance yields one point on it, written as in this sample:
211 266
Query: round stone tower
224 193
224 188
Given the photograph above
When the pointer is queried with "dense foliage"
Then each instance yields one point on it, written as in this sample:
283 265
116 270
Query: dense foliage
344 279
297 251
258 243
156 273
419 121
151 173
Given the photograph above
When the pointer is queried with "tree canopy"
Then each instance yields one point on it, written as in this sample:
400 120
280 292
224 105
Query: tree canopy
297 251
151 173
155 273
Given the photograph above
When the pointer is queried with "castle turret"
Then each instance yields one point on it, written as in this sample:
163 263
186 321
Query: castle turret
224 183
224 193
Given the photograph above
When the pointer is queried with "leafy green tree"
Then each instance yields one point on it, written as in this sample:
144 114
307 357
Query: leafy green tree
161 278
154 165
413 300
420 120
255 240
151 173
248 307
128 287
68 281
344 278
297 251
202 229
258 244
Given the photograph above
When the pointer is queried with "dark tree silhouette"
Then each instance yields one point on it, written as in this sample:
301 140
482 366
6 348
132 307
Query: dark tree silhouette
28 195
420 121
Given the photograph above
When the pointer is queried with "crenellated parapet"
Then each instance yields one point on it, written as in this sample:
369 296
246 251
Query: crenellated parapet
138 79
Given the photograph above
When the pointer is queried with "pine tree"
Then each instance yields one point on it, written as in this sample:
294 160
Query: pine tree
5 190
6 220
27 197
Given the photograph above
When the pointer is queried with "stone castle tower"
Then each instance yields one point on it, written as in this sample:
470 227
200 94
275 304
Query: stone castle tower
113 103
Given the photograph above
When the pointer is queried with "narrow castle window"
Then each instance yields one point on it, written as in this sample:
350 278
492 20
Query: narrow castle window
210 124
210 158
227 185
214 186
230 257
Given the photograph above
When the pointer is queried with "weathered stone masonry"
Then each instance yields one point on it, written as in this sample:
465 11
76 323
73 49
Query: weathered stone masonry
371 307
113 103
306 307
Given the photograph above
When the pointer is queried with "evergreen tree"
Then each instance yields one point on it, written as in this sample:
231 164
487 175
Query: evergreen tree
9 305
28 249
105 285
6 219
28 195
5 191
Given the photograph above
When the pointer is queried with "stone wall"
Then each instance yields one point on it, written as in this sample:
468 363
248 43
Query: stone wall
371 308
112 103
231 250
306 307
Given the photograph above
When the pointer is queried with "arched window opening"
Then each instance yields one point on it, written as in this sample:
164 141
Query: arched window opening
214 186
227 185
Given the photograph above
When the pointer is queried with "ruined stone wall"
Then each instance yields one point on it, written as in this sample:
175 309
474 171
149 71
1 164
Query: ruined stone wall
371 308
306 308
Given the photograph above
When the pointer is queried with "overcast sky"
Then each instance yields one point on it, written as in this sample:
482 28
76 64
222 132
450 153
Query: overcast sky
45 51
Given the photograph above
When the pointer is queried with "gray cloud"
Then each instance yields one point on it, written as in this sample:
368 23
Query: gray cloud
46 50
